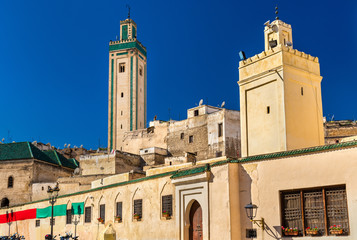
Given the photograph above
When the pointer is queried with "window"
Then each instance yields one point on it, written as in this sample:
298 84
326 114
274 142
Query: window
5 202
38 222
302 91
182 136
102 211
122 67
219 154
122 94
88 214
138 207
268 109
119 209
141 71
167 204
319 207
69 216
190 139
220 129
10 182
195 113
121 112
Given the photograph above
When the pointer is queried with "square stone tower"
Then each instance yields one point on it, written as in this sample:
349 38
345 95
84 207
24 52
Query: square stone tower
127 84
280 96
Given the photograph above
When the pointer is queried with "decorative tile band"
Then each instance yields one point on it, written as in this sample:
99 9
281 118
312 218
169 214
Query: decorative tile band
127 45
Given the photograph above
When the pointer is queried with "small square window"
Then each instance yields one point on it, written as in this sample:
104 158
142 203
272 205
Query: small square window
219 154
38 222
190 139
140 71
122 67
195 113
182 136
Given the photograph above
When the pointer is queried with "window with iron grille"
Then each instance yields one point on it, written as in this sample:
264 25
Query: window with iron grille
138 207
190 139
319 207
119 209
88 214
38 222
102 211
167 204
69 216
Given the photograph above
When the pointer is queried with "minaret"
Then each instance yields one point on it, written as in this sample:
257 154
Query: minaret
127 84
280 96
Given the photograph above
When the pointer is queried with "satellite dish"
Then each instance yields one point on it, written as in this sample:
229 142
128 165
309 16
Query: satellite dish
223 104
289 44
200 103
77 171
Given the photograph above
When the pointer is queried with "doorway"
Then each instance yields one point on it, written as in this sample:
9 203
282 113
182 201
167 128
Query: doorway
195 231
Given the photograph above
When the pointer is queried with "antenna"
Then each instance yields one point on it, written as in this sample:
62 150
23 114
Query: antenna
128 6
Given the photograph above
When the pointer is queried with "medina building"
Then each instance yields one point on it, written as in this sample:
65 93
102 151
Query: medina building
286 171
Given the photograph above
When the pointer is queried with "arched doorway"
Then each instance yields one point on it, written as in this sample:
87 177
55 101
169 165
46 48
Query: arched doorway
5 202
195 231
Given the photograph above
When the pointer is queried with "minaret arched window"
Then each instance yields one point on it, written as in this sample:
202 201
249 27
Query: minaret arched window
10 182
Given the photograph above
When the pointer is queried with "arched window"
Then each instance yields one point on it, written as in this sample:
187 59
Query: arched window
5 202
10 182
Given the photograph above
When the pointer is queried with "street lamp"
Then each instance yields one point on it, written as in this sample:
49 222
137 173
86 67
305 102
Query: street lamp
9 219
251 211
52 198
75 221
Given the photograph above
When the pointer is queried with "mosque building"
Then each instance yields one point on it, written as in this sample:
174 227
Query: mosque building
219 174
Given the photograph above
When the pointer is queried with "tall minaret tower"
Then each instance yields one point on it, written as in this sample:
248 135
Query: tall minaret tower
280 96
127 84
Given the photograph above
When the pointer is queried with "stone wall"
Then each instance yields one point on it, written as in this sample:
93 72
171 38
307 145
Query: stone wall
337 130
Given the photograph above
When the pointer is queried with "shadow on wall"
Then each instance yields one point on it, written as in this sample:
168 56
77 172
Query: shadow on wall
246 183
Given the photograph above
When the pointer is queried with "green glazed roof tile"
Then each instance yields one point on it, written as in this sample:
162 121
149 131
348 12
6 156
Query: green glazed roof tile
297 152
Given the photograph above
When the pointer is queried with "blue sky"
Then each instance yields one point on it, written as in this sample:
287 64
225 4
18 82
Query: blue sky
54 59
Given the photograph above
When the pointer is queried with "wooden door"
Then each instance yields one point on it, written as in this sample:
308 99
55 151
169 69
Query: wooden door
196 232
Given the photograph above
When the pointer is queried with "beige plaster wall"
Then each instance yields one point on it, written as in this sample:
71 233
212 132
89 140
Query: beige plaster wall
152 225
265 179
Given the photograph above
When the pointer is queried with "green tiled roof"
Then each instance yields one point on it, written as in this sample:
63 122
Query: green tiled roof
15 151
297 152
61 160
191 171
25 150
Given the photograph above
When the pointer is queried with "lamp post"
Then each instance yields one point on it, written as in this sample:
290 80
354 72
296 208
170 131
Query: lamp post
75 221
52 198
251 211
